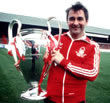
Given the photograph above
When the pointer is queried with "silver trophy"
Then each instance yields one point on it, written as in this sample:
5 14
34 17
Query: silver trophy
28 48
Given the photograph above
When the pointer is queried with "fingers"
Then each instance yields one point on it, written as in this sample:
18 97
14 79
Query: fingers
56 56
54 52
17 66
46 55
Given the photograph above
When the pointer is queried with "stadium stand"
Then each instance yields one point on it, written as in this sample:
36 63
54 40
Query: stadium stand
100 35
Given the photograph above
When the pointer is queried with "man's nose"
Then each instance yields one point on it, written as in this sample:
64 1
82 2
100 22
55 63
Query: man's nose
76 22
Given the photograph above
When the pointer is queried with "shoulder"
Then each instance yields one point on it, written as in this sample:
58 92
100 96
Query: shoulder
62 35
95 45
92 42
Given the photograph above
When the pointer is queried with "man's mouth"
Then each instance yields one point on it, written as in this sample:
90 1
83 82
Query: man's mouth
76 28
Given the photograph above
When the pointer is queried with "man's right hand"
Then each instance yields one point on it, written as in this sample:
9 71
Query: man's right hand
17 65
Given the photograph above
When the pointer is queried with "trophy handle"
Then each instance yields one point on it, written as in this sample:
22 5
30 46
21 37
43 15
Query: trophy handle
47 61
59 25
12 39
10 28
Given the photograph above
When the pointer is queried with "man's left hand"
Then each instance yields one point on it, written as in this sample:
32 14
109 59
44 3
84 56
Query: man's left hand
56 56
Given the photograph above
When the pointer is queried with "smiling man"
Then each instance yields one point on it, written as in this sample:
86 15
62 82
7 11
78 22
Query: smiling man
77 61
77 19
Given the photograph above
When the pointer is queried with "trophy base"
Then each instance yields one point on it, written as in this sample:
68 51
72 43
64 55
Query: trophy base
32 94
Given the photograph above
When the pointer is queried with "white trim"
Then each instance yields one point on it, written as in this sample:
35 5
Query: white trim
65 71
85 71
63 86
81 38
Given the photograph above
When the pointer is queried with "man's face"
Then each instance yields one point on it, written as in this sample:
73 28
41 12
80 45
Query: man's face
76 23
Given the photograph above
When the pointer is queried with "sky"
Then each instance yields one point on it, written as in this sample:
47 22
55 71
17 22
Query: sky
99 14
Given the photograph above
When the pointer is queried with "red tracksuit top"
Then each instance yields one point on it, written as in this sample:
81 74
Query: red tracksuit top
67 81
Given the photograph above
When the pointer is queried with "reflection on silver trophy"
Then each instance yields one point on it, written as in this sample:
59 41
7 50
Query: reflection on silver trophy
28 48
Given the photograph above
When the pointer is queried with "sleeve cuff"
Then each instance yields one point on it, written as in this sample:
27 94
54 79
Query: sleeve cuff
64 63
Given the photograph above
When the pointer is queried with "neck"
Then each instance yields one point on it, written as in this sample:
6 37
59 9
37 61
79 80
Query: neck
77 36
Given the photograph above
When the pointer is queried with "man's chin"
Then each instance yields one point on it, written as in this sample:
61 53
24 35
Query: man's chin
76 32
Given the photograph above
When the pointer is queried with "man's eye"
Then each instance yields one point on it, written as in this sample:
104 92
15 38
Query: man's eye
80 18
71 19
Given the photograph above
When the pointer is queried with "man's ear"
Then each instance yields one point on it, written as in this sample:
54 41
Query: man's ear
86 22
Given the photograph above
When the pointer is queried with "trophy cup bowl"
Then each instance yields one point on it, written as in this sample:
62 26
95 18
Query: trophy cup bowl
35 46
28 48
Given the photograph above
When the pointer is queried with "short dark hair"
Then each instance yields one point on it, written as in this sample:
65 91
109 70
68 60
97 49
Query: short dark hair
78 6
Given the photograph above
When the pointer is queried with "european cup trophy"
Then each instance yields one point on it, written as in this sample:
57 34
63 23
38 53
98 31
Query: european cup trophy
28 48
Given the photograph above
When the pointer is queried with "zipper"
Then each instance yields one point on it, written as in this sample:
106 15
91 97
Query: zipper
65 72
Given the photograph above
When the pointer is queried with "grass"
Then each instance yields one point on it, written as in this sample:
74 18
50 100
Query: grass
99 90
12 83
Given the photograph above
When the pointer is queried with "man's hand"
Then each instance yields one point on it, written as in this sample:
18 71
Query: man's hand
56 56
17 66
46 55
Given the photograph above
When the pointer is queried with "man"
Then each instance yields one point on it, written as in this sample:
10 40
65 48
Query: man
77 61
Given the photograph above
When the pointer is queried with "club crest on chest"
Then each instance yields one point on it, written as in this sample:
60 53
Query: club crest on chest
81 52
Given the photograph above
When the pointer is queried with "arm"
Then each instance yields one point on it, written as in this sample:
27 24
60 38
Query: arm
87 70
